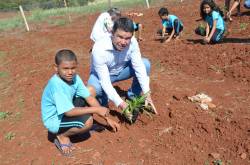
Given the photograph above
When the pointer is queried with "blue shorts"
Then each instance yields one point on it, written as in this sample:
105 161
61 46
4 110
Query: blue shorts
78 121
218 36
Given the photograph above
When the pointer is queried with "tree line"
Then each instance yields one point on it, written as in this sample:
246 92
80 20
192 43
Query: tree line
11 5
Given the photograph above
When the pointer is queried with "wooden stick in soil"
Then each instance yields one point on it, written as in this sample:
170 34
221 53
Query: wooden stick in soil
66 6
24 18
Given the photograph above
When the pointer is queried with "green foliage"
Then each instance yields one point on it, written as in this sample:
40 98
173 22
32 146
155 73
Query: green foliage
11 23
39 15
10 5
136 106
9 136
2 54
4 115
3 74
243 26
217 162
57 22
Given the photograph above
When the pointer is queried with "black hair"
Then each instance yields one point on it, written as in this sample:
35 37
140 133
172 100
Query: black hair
125 24
213 7
65 55
163 11
114 12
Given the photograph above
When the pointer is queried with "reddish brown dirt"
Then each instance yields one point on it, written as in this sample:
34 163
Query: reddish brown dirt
182 133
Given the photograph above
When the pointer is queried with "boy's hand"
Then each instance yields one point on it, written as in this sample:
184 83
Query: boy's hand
102 111
149 101
114 125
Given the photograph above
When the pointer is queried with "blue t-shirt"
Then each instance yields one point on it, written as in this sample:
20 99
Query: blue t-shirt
57 99
215 16
170 22
135 26
247 4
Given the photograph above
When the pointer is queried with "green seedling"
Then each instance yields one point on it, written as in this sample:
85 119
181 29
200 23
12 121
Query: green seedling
217 162
201 30
243 26
9 136
136 106
4 115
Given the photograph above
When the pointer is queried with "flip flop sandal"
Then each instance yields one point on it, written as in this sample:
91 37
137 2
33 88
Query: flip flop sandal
59 146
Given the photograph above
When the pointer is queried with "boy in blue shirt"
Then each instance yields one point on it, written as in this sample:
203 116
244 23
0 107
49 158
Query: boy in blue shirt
171 24
67 105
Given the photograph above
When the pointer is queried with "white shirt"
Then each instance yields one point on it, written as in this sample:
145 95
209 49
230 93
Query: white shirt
107 61
102 27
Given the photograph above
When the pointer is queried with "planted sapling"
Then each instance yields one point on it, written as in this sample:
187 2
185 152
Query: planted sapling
136 106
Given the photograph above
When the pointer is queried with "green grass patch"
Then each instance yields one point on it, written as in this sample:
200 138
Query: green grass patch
3 74
12 23
9 136
57 22
20 102
243 26
40 15
2 54
4 115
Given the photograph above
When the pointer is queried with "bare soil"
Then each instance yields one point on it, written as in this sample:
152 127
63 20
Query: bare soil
182 133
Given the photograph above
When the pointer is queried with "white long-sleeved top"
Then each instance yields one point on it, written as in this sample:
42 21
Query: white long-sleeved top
102 27
106 61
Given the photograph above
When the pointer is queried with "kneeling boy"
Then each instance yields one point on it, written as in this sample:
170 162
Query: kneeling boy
67 105
171 24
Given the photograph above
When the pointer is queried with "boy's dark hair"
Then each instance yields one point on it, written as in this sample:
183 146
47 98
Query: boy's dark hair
65 55
163 11
114 12
124 24
212 5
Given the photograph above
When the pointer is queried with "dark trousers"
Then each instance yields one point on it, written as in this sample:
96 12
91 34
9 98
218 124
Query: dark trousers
177 27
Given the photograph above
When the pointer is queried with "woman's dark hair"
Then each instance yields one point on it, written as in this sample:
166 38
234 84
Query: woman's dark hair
163 11
124 24
114 12
212 5
65 55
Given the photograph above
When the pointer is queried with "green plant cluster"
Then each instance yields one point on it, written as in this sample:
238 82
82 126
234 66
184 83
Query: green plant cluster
135 107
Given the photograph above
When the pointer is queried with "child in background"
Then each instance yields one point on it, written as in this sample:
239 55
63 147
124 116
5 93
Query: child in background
104 24
171 24
137 26
67 104
213 16
247 4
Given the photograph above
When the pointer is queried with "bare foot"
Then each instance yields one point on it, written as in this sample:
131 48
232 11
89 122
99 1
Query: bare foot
229 16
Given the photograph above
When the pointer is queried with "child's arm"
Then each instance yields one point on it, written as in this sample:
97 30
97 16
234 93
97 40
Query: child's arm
163 31
94 103
212 31
79 111
207 30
